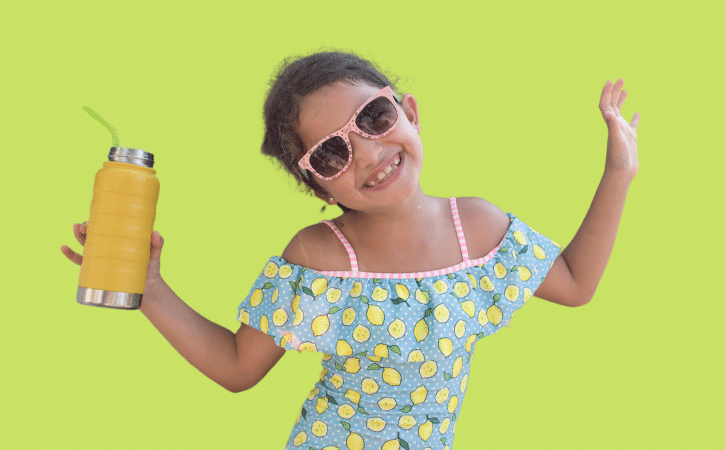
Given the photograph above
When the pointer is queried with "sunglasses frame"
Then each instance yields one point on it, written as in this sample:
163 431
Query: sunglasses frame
387 92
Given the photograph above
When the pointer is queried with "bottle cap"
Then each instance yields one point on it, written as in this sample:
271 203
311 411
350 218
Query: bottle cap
132 156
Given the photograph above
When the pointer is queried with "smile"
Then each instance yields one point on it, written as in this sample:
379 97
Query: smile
385 173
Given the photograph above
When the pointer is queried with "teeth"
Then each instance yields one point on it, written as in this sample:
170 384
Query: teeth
383 174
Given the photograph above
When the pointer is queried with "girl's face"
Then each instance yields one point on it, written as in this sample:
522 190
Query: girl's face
359 187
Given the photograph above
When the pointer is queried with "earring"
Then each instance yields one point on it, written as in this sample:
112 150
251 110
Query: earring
331 201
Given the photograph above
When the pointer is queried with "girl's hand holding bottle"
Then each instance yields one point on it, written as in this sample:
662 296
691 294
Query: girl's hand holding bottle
622 140
153 276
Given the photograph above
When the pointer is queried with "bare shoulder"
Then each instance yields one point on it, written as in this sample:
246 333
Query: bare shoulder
318 248
484 224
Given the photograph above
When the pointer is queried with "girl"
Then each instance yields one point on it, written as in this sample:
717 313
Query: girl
396 291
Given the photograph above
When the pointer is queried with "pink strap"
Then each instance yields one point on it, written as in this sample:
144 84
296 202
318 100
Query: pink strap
348 247
459 229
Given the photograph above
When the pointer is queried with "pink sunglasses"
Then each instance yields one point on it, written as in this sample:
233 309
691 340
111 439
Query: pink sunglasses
333 154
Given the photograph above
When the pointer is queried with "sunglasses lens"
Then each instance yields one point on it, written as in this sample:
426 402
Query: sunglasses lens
377 117
330 157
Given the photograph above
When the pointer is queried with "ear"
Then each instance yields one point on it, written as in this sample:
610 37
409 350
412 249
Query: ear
410 107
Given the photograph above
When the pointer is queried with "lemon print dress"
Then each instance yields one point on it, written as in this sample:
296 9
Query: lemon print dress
396 347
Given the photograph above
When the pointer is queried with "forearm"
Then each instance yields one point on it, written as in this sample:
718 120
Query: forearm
588 253
207 346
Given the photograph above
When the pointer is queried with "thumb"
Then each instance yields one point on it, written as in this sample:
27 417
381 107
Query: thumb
157 243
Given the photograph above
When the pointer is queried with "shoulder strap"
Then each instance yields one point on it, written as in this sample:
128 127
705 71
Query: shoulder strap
348 247
459 229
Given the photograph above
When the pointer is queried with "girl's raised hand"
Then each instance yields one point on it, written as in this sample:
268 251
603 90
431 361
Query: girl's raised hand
157 242
622 140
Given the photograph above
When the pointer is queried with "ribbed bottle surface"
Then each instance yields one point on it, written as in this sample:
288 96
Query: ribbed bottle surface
123 210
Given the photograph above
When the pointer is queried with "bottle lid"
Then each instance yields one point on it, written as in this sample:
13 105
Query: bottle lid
132 156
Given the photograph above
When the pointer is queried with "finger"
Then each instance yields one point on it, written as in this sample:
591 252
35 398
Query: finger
604 99
635 121
622 97
77 232
81 232
71 255
615 92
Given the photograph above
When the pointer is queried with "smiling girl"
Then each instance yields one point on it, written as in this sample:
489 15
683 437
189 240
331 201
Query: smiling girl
396 291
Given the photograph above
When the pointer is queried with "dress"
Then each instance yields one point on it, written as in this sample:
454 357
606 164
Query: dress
396 347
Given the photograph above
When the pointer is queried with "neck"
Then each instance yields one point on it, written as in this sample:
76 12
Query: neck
418 207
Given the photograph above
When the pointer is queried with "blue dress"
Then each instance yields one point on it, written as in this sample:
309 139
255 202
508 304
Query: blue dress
396 347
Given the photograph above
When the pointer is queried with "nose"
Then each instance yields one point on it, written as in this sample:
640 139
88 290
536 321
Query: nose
365 152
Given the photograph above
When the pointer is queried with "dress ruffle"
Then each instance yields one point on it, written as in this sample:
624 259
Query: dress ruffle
305 310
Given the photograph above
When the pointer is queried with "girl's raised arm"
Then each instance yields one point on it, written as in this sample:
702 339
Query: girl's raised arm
577 271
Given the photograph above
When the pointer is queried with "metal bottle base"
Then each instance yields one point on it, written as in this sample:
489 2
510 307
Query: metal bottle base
108 299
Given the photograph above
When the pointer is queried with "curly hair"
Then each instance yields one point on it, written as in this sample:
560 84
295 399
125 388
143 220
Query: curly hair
294 78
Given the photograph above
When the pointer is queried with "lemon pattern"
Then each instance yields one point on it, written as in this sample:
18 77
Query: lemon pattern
397 347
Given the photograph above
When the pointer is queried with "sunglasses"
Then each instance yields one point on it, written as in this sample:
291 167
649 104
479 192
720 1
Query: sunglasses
333 154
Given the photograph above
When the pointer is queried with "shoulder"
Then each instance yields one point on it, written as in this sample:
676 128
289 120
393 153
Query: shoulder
317 247
481 212
484 224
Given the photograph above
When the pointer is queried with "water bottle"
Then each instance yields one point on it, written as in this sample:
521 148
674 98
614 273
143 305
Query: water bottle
118 238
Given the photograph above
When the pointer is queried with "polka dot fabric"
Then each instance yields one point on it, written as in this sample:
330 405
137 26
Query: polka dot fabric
396 351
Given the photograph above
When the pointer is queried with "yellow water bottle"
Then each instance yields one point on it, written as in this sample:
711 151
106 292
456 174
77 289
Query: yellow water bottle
117 249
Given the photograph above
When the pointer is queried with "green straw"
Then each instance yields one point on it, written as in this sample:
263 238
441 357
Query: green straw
114 136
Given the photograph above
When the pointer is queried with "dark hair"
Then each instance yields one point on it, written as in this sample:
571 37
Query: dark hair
294 78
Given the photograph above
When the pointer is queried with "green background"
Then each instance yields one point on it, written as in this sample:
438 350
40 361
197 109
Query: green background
508 100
